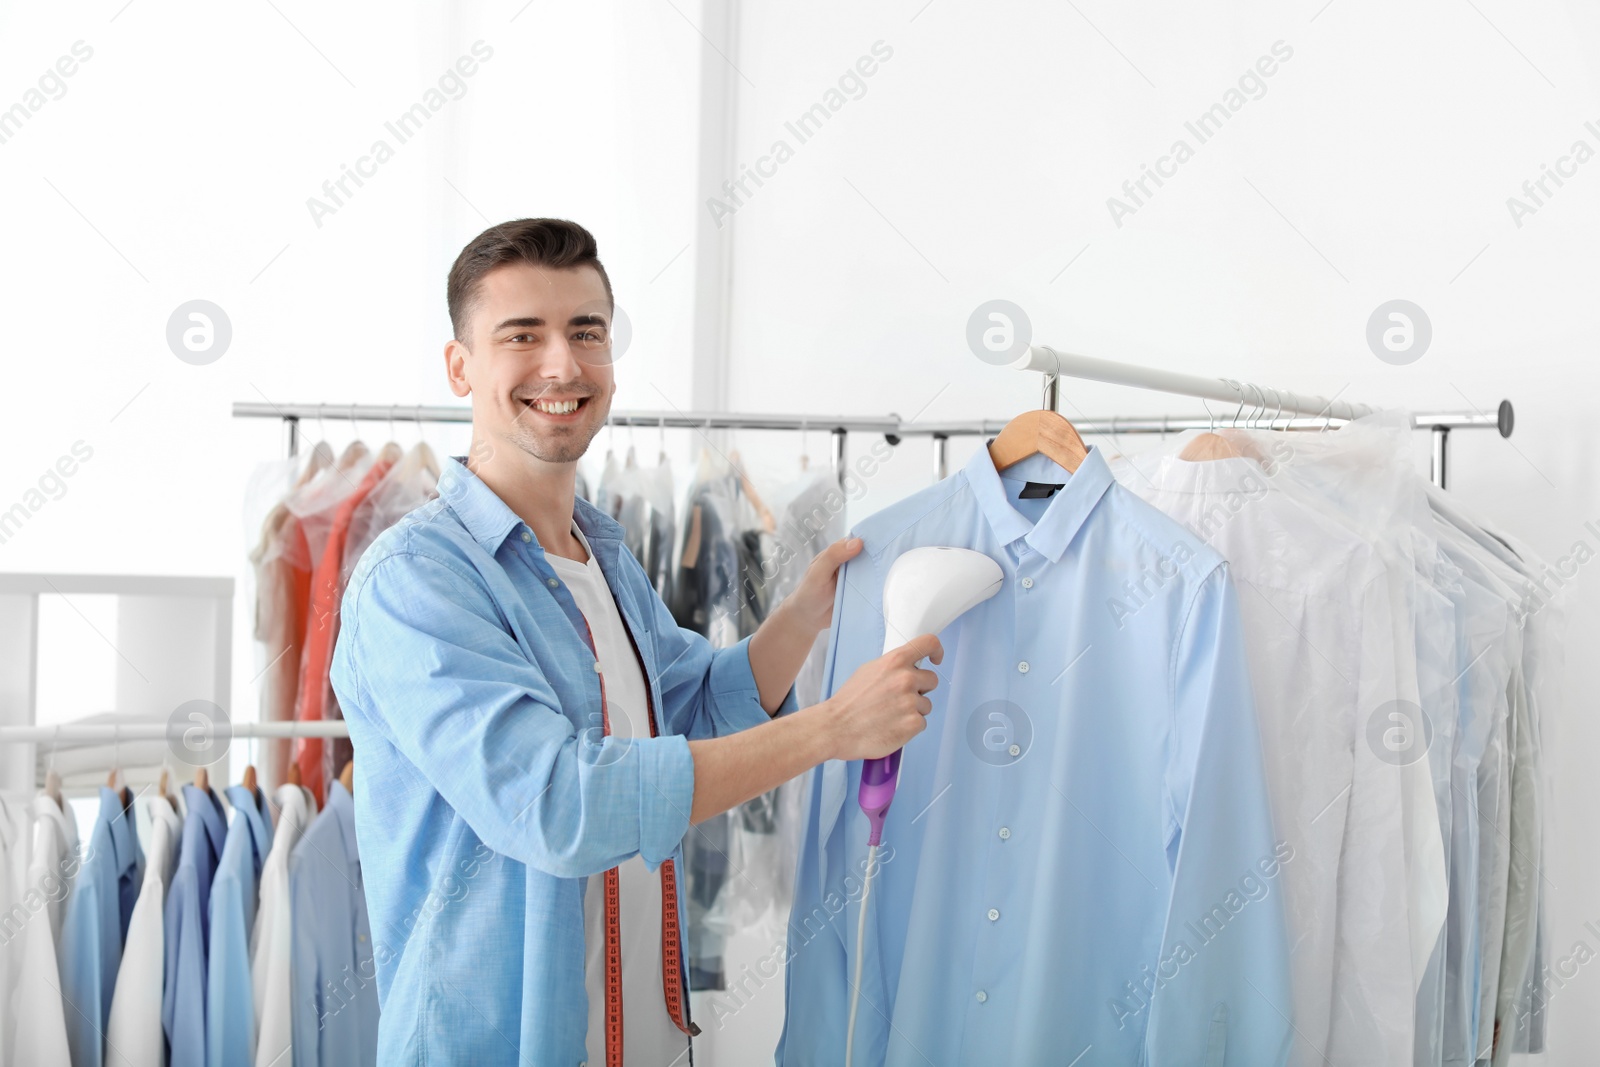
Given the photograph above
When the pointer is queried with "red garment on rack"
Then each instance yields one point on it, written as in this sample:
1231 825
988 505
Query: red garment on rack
322 629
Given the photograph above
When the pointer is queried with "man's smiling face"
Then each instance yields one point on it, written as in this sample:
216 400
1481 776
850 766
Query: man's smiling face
538 362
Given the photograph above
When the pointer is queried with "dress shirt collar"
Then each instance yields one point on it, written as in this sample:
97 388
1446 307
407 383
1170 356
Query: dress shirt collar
1069 508
341 806
249 804
206 807
124 840
489 519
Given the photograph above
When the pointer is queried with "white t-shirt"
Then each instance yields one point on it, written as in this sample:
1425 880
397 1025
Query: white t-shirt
649 1037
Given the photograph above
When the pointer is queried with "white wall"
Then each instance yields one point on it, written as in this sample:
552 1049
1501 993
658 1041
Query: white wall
976 165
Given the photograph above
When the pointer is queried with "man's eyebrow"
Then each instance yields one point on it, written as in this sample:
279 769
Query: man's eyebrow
529 322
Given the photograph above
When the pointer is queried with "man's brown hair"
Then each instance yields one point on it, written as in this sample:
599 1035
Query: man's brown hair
554 243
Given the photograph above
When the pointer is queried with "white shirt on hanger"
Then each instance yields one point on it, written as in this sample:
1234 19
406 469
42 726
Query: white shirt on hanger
271 939
134 1037
41 1031
649 1035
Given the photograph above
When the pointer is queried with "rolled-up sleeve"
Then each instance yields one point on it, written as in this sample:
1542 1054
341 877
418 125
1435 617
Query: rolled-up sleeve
425 659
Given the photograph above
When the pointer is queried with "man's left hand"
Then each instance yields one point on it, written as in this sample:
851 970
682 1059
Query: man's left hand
812 600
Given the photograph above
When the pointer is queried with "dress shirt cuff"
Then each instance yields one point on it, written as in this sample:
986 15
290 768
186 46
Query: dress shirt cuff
735 698
666 796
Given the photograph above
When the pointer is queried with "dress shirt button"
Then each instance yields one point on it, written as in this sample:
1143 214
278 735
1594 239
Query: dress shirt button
597 666
551 582
1015 750
1023 666
994 914
982 996
1005 833
1027 583
526 536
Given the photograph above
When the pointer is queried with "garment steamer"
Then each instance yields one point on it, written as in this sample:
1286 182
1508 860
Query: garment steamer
927 589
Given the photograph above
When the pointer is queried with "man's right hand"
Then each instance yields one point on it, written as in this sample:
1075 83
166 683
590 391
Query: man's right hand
882 705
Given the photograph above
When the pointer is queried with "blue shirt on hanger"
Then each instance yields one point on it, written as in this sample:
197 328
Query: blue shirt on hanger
188 927
332 992
488 791
96 925
230 1005
1080 855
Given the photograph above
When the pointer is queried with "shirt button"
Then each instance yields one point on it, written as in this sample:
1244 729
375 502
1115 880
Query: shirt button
1015 750
994 914
597 666
526 536
1005 833
1027 583
1023 666
982 996
551 582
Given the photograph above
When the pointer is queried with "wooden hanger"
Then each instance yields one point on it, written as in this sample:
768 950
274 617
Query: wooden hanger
347 777
250 778
202 780
293 777
1038 432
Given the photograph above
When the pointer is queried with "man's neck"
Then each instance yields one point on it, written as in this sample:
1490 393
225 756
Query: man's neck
540 494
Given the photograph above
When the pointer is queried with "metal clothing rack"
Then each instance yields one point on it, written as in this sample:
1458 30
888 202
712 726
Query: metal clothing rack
1290 411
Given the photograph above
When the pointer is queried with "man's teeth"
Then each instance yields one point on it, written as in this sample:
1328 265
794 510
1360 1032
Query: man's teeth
556 407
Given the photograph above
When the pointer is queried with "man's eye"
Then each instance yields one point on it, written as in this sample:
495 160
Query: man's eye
519 338
592 337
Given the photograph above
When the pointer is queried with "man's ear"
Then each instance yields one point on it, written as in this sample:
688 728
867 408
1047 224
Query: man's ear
455 367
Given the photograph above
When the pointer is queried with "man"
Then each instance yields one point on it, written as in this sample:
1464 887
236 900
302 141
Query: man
534 734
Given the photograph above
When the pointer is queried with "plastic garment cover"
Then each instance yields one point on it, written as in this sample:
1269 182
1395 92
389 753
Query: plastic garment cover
642 500
408 485
1314 605
1393 884
280 565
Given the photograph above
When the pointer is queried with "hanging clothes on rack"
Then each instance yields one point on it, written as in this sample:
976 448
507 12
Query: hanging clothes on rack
230 1005
334 995
183 997
38 1010
134 1029
15 831
1081 840
272 939
281 565
96 925
322 620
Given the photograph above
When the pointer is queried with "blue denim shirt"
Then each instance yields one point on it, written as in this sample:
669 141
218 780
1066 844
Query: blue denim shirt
486 791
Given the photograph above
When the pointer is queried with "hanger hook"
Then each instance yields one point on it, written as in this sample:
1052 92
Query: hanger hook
661 428
1276 415
1210 418
1163 427
1261 408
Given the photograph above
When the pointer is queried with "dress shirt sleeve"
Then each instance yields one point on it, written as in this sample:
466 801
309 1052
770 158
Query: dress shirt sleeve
230 1013
426 659
183 995
1222 994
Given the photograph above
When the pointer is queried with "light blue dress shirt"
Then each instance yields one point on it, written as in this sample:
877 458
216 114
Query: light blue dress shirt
1080 865
230 1006
488 792
188 927
332 995
95 926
